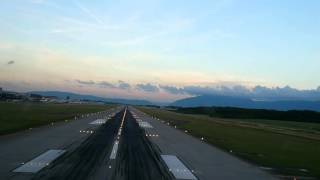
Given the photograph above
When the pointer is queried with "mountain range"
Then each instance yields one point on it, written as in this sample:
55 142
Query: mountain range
74 96
199 101
243 102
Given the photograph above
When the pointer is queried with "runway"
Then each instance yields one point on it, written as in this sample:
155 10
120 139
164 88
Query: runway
96 158
130 145
19 148
205 161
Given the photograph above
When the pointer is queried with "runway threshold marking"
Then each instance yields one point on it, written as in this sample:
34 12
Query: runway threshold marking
144 124
114 151
98 121
177 168
40 162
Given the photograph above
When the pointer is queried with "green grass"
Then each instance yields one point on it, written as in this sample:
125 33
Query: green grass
19 116
241 113
310 127
286 153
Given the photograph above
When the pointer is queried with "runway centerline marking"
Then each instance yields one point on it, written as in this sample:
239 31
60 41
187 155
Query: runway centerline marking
114 151
40 162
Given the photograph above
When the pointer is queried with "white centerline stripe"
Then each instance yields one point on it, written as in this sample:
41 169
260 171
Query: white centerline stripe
113 154
114 151
40 162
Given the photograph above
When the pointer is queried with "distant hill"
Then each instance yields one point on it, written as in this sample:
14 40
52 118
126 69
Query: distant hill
228 101
241 113
64 95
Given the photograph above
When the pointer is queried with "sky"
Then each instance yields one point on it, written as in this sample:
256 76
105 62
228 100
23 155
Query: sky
160 49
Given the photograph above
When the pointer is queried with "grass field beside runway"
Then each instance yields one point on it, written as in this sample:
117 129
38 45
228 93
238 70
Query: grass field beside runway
287 152
19 116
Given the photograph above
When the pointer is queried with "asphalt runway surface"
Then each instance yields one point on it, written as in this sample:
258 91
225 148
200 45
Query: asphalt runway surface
18 148
136 158
129 146
84 161
206 161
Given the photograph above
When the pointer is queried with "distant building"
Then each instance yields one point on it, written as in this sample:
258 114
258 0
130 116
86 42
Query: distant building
17 97
35 97
9 96
49 99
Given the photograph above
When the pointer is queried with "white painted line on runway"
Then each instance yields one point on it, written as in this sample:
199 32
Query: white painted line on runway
177 168
40 162
144 124
113 154
114 151
98 121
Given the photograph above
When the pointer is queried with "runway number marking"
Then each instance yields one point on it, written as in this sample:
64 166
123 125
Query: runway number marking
40 162
177 168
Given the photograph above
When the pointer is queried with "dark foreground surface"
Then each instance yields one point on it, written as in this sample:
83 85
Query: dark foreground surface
19 148
136 158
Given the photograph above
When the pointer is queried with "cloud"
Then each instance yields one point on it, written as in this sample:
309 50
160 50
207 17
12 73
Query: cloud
106 84
199 90
89 13
147 87
172 89
123 85
284 93
257 92
90 82
10 62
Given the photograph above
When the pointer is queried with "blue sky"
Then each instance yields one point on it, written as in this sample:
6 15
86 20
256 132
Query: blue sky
54 44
